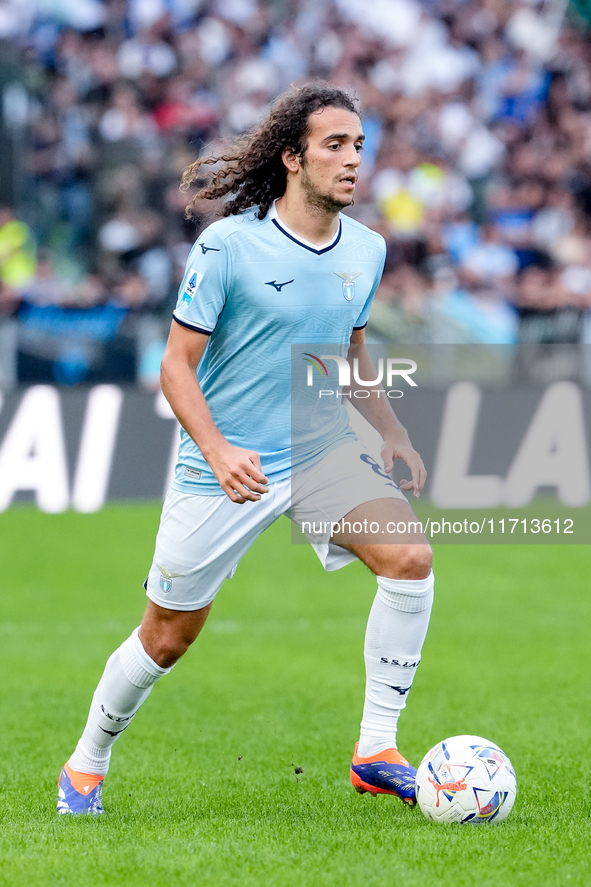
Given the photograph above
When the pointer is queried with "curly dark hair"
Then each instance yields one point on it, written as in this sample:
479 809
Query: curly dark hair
252 167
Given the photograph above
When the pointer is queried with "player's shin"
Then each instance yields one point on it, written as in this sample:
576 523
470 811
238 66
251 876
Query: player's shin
394 638
126 683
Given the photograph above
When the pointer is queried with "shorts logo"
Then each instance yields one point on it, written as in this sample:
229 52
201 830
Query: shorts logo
166 579
348 284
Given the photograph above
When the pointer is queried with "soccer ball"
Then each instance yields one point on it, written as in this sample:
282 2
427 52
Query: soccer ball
466 779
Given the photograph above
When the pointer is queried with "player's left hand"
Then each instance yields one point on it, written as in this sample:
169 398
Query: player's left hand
392 450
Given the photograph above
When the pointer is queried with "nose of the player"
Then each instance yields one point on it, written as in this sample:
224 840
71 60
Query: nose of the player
353 158
351 161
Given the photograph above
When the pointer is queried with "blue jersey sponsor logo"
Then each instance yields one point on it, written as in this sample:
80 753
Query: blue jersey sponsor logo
278 286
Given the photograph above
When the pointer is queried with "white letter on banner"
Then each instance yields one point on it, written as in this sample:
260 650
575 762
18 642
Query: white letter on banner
164 410
553 452
344 368
376 381
97 445
452 486
411 367
33 455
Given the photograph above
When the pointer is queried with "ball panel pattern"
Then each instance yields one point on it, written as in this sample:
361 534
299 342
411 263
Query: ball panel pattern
466 779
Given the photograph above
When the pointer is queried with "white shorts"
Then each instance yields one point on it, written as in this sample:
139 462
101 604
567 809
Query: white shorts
201 539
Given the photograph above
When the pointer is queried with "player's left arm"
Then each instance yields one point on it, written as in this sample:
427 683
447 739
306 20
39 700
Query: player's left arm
379 413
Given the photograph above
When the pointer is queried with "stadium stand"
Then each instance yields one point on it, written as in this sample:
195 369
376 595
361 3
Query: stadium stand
476 168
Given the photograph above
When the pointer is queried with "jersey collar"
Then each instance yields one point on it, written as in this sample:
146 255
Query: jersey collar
318 250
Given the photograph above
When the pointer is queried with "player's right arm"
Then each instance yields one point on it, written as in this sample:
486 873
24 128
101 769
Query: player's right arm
238 471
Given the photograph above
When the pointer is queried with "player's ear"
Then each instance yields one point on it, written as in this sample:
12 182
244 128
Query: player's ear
290 159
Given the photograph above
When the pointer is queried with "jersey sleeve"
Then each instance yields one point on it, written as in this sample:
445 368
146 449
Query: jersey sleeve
361 321
202 293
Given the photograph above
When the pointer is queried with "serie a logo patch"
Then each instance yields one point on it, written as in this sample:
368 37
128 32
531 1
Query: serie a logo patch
192 286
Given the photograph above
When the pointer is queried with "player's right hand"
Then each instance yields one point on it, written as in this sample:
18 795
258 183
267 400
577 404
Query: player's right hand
239 473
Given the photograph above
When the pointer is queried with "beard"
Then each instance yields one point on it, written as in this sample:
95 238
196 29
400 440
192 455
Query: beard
324 201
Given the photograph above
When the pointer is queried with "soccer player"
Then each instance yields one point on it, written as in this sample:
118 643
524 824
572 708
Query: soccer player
282 266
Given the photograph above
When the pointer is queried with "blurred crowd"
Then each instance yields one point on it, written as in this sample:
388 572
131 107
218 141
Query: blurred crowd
477 164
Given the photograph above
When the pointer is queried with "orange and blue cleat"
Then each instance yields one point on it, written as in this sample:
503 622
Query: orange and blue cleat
79 792
386 773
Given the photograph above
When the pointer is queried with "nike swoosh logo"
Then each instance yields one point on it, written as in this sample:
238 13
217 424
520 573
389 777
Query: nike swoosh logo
208 249
278 286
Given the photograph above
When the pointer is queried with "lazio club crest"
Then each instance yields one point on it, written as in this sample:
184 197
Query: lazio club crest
348 283
166 579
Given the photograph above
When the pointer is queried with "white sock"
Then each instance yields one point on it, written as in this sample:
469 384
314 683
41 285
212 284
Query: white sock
126 682
394 638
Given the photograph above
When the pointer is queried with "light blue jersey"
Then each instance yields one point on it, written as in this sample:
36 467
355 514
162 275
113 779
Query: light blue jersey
256 290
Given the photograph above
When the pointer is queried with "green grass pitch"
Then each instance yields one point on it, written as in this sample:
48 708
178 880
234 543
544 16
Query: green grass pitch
203 788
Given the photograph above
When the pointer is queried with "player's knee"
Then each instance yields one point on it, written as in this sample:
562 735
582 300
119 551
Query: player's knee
167 650
176 638
167 635
409 562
